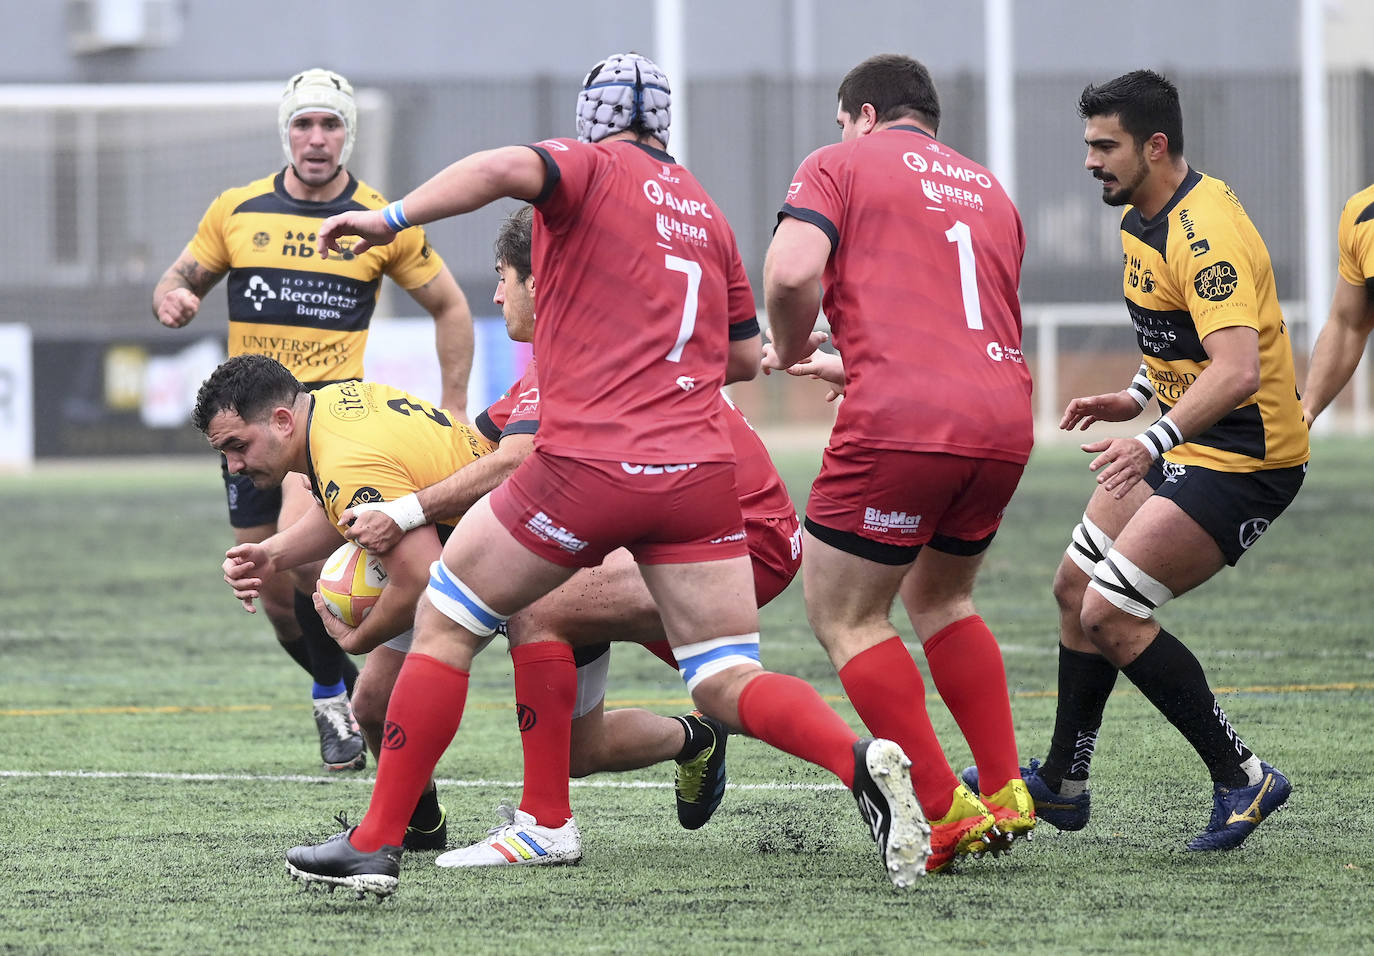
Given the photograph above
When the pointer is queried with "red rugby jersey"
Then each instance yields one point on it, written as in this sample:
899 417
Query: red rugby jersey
762 493
921 295
641 288
516 412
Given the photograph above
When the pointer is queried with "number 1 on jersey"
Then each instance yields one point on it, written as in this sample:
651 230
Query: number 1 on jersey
968 273
689 303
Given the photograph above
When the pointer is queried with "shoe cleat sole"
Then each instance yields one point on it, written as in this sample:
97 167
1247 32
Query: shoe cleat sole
362 884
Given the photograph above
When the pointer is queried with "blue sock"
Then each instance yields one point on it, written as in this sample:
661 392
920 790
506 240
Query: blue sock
319 691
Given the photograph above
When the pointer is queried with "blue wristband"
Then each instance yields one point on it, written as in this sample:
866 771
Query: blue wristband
395 219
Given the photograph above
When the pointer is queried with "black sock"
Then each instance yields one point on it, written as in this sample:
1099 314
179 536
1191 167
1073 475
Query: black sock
1168 674
299 651
328 662
697 737
427 815
1085 683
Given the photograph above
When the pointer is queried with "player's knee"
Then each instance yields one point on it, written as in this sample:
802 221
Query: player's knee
369 709
1119 587
593 669
460 604
1088 545
280 607
584 758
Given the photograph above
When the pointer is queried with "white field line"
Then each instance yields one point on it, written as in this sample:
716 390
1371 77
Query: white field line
350 778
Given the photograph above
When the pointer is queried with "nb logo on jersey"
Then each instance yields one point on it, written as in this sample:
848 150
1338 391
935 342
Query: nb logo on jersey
259 291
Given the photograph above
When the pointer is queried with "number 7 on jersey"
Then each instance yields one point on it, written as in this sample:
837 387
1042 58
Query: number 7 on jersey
689 302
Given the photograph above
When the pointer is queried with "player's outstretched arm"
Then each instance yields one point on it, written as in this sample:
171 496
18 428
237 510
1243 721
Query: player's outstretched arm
1227 382
1111 407
742 364
244 567
791 286
177 295
471 183
1119 406
1339 348
311 538
379 527
827 367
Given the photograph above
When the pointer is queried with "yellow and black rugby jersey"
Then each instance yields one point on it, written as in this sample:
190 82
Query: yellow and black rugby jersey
1356 240
372 442
1196 267
308 313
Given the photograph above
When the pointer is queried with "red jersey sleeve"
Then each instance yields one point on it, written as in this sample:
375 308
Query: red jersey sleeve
815 195
516 412
570 168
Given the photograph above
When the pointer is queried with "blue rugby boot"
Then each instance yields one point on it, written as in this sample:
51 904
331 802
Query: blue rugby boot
1236 811
1060 812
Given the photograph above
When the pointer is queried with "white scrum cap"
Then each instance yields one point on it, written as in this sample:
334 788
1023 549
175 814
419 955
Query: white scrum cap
318 91
621 92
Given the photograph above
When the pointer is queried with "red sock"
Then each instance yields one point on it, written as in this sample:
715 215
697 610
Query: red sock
966 666
663 651
886 689
545 692
787 713
423 715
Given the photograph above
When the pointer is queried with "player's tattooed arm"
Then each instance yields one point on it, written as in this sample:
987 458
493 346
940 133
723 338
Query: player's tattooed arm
176 299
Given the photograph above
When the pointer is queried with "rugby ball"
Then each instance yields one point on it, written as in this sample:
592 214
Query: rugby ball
351 582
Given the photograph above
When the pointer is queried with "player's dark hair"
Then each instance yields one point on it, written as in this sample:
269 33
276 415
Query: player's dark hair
513 241
1144 102
895 86
248 385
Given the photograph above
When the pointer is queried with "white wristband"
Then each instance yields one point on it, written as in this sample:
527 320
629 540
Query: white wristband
1160 437
405 511
1140 388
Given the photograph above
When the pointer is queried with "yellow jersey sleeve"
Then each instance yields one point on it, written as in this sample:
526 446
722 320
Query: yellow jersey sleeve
209 246
1355 238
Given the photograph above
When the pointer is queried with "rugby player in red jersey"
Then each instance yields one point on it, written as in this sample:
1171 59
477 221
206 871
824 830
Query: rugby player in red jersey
594 606
647 313
919 251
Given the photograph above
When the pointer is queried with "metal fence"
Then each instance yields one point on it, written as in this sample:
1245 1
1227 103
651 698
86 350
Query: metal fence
107 185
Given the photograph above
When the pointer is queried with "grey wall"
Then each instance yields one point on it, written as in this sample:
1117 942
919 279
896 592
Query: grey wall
464 76
435 39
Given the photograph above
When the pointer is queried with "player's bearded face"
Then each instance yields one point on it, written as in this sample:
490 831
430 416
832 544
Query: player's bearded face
252 450
1119 185
317 141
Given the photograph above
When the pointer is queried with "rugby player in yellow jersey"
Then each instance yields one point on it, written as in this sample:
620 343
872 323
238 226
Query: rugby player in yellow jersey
1192 493
311 314
354 442
1341 344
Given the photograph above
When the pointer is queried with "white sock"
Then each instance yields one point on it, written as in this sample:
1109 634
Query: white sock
1072 788
1251 766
